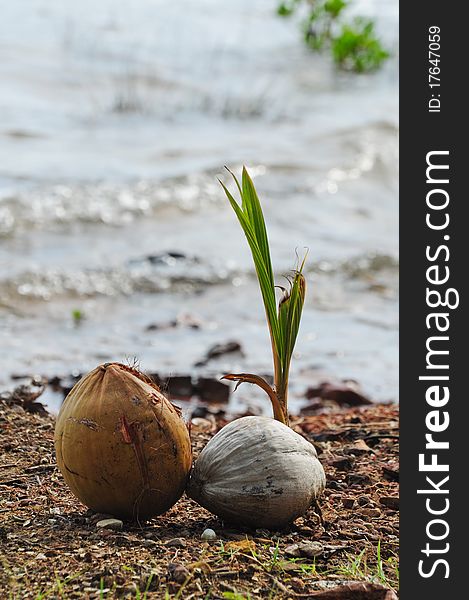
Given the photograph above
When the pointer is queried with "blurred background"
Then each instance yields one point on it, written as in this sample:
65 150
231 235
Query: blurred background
116 240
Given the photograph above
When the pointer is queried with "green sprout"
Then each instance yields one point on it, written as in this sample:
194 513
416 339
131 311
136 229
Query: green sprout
283 317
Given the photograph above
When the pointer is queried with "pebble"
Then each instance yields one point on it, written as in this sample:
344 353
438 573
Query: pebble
176 543
95 517
358 479
104 533
307 549
178 572
115 524
40 556
202 423
292 550
370 512
390 502
305 530
208 535
342 463
348 502
336 485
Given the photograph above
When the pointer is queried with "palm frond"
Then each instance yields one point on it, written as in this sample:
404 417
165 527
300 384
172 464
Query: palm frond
283 320
251 219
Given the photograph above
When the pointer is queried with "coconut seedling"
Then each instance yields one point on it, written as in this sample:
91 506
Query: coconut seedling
257 471
121 446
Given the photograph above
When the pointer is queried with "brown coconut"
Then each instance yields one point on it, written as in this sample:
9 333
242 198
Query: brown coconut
121 446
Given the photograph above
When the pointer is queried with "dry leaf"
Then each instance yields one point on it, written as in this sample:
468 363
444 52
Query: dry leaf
243 545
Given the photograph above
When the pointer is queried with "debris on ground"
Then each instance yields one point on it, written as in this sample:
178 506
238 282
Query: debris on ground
52 546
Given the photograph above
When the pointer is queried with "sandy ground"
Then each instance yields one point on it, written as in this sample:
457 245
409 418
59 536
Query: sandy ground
50 546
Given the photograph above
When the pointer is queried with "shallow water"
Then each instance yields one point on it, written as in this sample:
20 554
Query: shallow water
116 120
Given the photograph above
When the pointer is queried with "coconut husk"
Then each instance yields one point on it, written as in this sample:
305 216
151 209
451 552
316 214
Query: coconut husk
121 445
257 472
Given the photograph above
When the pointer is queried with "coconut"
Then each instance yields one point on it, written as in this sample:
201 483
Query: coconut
257 472
121 446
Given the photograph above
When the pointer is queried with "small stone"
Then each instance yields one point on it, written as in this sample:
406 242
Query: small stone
297 584
95 517
390 502
220 350
40 556
304 549
293 550
370 512
305 530
85 556
212 390
358 479
310 549
348 502
391 474
336 485
344 394
358 448
176 543
115 524
201 423
177 572
208 535
104 533
342 463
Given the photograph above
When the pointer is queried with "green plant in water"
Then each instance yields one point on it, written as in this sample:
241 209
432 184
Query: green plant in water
354 45
357 48
283 317
77 316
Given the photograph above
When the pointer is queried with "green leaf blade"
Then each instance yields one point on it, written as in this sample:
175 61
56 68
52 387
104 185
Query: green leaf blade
263 266
283 319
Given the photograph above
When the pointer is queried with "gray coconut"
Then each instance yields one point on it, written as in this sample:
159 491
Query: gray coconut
257 472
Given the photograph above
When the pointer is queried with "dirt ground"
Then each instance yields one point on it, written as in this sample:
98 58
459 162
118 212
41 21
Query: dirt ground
50 546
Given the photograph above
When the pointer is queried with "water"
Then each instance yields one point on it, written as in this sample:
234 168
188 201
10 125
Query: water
116 119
